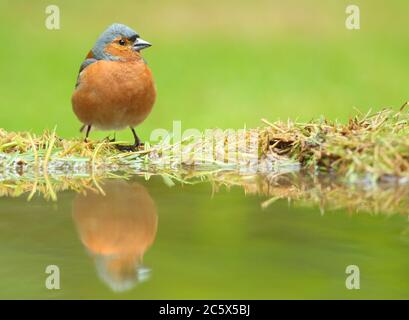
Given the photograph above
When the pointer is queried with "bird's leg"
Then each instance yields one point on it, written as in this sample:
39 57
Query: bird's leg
133 147
136 138
87 133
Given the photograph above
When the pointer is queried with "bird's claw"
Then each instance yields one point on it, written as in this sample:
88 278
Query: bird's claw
130 148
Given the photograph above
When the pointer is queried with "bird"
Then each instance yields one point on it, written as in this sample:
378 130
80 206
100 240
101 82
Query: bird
115 88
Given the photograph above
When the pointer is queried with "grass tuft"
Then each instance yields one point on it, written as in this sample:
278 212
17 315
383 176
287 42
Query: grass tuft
370 148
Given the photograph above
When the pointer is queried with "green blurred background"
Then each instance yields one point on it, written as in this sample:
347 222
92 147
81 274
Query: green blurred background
217 63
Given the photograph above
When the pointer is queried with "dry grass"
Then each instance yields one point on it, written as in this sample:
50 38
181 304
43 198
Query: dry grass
361 165
370 148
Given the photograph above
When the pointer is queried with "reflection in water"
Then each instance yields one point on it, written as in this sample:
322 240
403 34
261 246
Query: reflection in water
117 228
327 191
287 247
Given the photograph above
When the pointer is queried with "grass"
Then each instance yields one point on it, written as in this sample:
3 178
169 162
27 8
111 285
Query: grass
369 148
361 165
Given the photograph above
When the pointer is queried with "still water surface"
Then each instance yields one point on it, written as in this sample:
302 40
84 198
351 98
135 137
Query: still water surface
146 240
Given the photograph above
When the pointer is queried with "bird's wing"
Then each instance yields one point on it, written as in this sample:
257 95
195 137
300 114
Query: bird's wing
85 64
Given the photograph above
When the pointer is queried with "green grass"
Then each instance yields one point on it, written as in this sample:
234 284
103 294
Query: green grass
369 149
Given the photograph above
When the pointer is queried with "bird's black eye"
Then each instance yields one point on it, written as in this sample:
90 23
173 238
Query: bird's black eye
122 42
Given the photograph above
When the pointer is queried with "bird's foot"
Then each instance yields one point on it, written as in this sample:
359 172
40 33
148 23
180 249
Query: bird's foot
108 139
130 148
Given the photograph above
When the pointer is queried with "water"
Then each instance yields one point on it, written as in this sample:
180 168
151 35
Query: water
148 240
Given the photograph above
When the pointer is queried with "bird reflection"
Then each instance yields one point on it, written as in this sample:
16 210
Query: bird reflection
117 228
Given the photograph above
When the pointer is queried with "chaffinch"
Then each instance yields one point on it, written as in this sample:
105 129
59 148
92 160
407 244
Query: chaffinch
115 87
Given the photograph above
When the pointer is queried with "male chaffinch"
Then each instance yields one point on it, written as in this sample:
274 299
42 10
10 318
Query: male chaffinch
115 87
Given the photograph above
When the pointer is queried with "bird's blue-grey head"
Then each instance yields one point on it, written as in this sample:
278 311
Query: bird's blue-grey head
118 32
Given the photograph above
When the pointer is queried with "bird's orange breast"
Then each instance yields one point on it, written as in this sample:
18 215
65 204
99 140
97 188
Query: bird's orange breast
114 94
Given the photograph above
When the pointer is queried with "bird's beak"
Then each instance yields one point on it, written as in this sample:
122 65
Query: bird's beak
140 44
